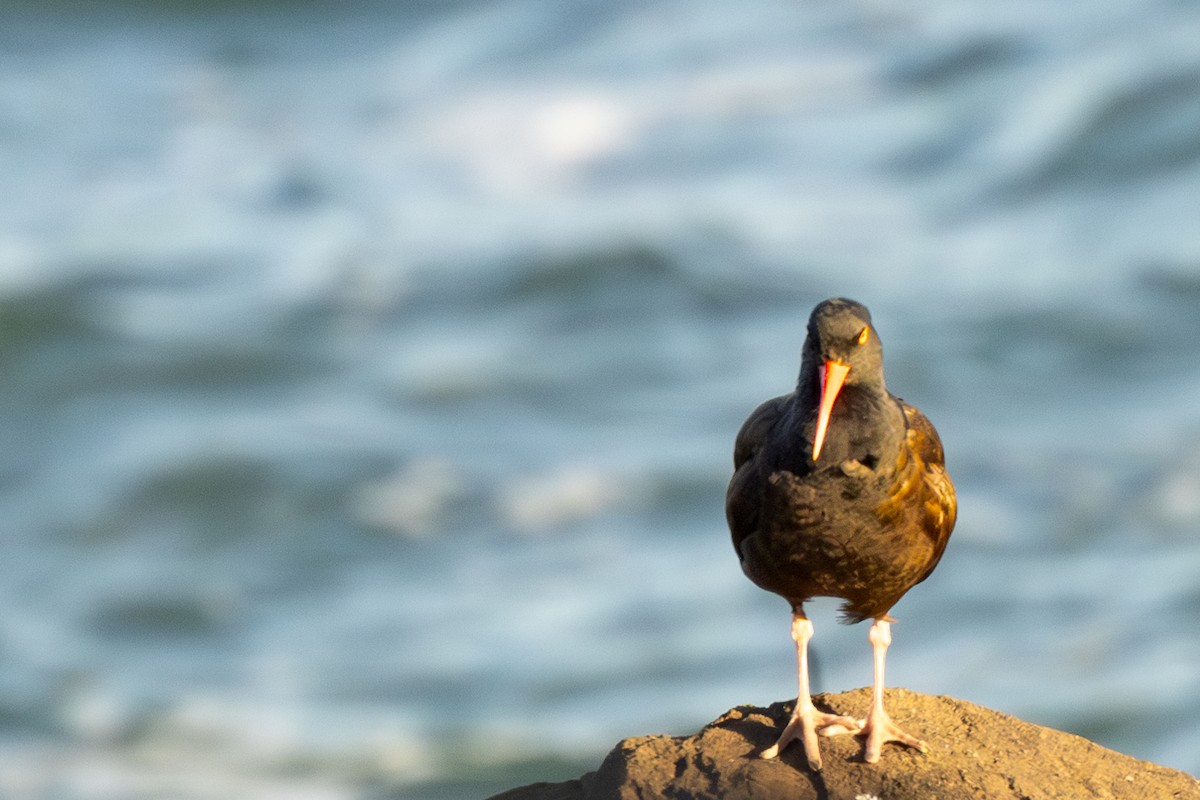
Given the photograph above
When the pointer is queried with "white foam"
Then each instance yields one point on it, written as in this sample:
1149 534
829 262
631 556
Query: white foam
540 502
412 500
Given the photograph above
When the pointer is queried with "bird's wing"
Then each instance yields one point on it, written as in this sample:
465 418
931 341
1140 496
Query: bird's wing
940 506
743 498
923 438
755 430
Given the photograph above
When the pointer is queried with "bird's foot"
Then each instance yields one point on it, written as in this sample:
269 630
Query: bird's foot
879 730
806 722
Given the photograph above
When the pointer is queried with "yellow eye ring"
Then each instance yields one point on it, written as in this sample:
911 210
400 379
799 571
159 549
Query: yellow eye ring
864 334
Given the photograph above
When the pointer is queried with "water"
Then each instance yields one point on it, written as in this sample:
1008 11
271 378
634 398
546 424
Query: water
371 374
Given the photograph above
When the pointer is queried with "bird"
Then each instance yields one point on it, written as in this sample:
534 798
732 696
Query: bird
840 490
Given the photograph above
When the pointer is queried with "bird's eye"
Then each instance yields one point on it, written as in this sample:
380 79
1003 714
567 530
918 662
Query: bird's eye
863 335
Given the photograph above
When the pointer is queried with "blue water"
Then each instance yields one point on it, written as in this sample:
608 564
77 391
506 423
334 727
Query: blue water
371 372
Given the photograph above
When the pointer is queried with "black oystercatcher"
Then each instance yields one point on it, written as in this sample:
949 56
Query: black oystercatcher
839 490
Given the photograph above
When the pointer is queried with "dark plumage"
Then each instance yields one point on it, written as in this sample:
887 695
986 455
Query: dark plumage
840 490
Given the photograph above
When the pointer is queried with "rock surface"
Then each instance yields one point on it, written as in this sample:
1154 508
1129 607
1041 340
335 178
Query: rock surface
974 753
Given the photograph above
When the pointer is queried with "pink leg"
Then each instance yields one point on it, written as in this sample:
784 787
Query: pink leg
879 728
806 720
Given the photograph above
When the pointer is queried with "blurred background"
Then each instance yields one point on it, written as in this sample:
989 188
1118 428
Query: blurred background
370 373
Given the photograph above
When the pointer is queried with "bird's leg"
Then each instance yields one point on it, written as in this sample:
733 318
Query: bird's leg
806 720
879 728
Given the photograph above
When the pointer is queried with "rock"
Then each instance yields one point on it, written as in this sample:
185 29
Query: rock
973 753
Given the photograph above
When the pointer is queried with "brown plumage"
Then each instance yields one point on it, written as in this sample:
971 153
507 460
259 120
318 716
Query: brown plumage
840 490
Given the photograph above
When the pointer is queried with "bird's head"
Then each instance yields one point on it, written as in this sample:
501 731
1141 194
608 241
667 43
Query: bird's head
842 349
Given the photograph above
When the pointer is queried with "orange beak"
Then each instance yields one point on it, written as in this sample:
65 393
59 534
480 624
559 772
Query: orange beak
831 383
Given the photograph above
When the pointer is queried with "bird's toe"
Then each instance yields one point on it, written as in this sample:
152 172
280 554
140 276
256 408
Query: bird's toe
880 732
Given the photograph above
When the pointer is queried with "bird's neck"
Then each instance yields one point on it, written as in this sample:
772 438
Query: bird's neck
865 425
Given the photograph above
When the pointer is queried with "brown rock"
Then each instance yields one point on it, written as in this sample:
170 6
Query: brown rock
973 753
